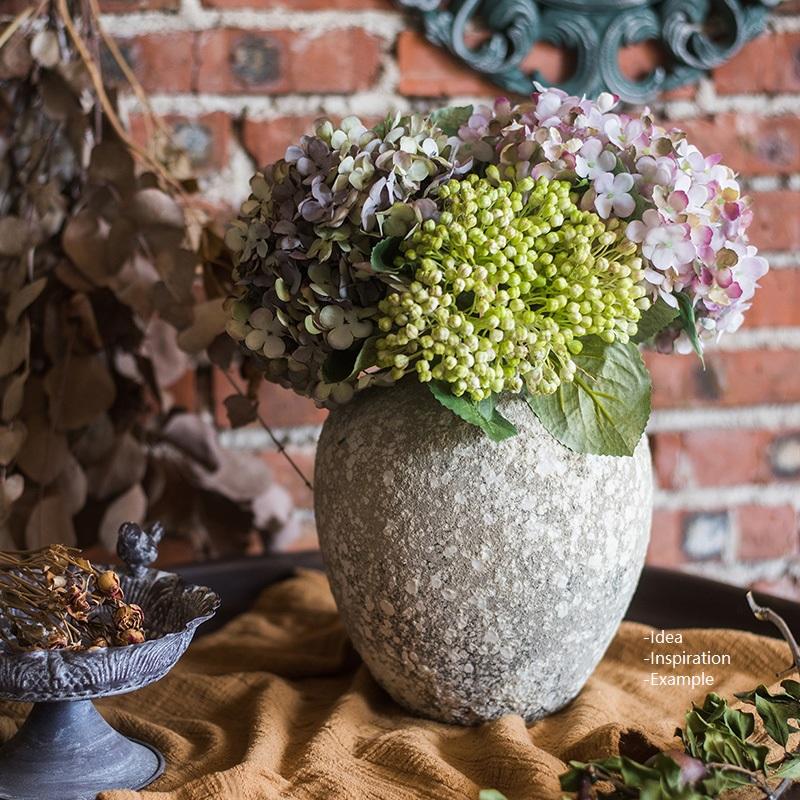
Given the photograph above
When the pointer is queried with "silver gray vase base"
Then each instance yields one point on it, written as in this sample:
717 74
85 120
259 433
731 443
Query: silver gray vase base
67 751
476 579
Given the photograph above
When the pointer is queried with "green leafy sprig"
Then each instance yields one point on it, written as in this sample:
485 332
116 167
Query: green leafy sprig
720 752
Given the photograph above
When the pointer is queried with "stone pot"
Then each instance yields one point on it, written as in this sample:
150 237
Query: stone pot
475 578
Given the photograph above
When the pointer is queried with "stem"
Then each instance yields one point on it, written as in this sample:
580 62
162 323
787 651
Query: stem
768 615
106 104
275 440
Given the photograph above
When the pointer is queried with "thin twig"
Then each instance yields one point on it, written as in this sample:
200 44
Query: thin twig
15 24
781 790
107 105
150 118
277 442
768 615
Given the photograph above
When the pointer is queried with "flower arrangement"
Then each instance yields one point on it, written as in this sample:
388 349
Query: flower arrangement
526 249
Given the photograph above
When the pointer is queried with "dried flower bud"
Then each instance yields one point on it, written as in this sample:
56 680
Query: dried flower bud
99 643
128 617
77 603
130 636
55 581
108 585
54 640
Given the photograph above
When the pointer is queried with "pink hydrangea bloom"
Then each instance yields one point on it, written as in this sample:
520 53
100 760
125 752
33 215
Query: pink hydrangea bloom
684 209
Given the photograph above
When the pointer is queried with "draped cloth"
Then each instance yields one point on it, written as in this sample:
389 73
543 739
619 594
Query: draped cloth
278 705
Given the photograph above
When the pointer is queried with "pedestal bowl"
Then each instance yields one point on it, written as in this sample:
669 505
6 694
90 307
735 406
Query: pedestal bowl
65 750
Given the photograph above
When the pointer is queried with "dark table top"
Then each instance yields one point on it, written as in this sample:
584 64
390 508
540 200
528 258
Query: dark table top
663 599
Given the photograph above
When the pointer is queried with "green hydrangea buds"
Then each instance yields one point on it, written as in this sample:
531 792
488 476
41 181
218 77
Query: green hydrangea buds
505 285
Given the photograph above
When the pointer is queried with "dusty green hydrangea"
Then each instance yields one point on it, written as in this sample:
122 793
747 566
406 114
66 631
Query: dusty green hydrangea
302 242
505 285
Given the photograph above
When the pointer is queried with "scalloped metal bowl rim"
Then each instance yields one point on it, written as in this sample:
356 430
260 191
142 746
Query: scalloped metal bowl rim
189 627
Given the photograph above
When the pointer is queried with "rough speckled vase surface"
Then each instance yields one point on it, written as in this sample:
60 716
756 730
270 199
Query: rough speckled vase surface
475 578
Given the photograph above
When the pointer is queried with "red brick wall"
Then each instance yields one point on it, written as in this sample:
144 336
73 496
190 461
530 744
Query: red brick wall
243 78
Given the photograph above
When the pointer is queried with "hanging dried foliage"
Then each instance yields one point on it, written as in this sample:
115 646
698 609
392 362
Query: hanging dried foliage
111 287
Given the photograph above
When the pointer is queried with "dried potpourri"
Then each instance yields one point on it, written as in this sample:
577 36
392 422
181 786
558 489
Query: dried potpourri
102 252
54 598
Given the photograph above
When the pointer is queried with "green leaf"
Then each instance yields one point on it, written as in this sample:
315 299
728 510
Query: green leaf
606 408
483 415
792 688
654 320
788 768
775 711
341 365
690 323
452 118
491 794
775 717
722 780
383 255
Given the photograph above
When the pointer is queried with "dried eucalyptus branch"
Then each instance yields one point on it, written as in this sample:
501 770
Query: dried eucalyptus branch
103 248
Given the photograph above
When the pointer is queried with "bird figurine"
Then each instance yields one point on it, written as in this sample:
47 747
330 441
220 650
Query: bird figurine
137 546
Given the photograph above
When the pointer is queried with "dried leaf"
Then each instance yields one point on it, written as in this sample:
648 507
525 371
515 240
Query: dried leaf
14 347
133 286
72 485
179 315
152 207
177 269
241 410
14 236
120 244
194 437
12 438
44 48
160 343
128 507
15 58
44 453
58 102
11 489
122 467
22 299
13 396
209 321
111 162
84 241
49 523
72 278
240 477
222 351
96 441
80 388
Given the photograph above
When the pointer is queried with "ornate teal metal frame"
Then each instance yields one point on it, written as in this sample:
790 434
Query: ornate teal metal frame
697 35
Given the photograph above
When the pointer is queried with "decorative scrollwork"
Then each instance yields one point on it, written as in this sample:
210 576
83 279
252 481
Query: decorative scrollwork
696 35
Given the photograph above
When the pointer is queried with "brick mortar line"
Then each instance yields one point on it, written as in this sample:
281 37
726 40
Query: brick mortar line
766 417
710 498
783 23
193 17
302 437
742 573
378 101
788 259
758 339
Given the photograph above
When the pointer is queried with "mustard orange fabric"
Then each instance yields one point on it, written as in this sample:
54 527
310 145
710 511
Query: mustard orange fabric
278 705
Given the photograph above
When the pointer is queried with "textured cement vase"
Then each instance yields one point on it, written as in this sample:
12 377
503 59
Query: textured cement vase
475 578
